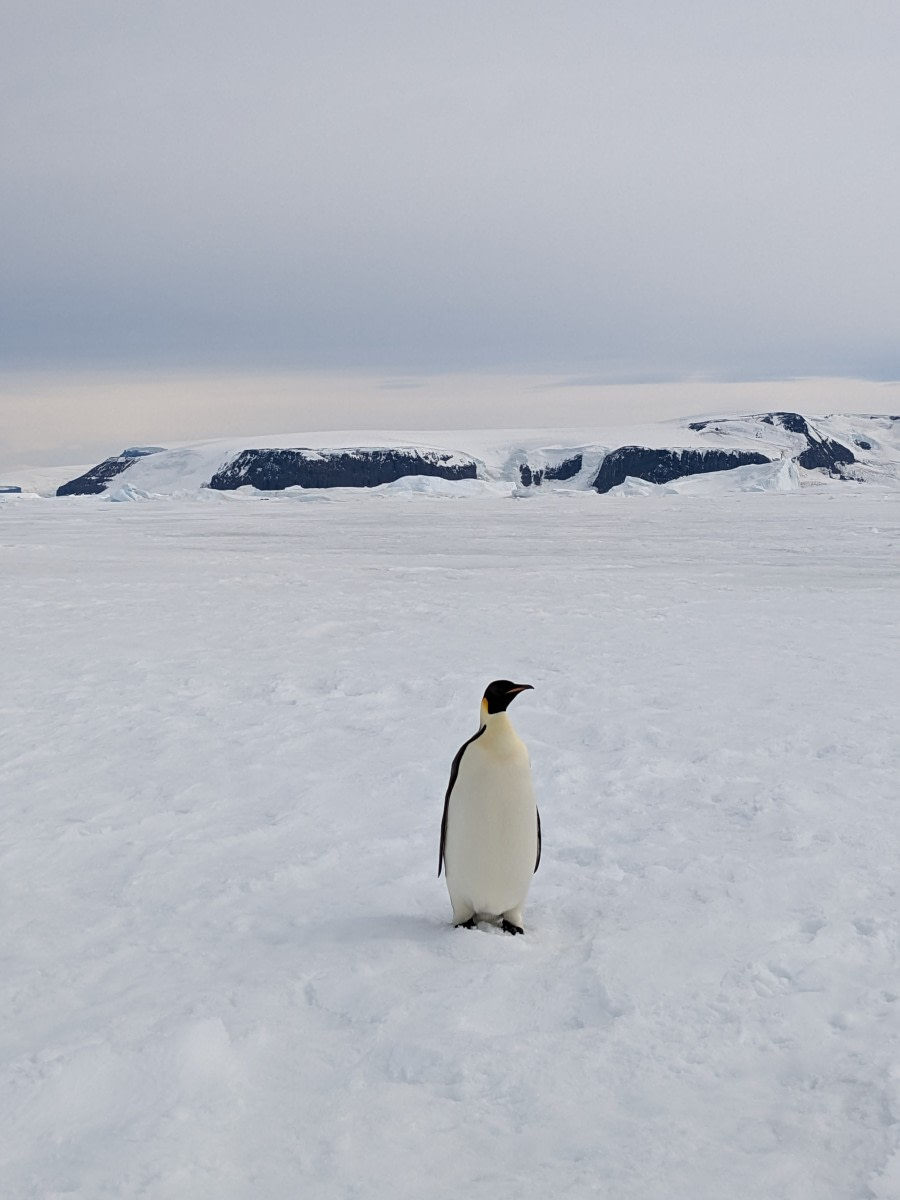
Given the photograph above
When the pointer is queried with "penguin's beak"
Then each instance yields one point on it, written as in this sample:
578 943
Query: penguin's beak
520 687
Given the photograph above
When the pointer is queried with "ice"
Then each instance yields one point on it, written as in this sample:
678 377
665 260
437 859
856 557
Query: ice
780 476
428 485
228 968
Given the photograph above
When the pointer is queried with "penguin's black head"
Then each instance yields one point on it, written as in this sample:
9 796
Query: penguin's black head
499 694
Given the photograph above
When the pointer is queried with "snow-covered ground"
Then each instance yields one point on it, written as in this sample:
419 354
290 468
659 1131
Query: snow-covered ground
227 967
42 481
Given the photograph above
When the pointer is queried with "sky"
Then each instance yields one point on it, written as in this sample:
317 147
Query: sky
627 193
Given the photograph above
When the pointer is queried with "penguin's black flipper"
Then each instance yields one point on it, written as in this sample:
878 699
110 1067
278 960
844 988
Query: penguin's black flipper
537 861
454 771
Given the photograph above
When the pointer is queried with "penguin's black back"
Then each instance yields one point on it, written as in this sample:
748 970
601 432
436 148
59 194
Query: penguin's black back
454 771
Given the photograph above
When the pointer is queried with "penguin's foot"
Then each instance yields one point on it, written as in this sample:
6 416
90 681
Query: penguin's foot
470 924
508 927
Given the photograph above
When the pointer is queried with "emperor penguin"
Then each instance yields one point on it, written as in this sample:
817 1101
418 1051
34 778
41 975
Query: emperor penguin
491 828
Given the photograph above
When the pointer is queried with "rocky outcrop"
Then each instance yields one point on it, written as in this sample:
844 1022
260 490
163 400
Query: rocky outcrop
96 479
273 470
567 469
825 454
662 466
792 422
821 453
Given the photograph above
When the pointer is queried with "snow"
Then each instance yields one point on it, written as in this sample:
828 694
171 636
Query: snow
228 968
39 480
429 485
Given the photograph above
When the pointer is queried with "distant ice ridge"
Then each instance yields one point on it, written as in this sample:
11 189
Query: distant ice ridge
741 453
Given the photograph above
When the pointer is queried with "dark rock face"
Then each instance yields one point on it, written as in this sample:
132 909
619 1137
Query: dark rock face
825 454
821 453
96 479
662 466
272 470
792 422
567 469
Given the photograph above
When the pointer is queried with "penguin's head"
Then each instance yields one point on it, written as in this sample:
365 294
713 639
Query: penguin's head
499 695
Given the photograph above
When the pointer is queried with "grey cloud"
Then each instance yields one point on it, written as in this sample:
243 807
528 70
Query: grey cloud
669 188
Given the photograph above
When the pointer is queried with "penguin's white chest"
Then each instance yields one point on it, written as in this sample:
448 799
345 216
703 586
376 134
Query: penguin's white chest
491 826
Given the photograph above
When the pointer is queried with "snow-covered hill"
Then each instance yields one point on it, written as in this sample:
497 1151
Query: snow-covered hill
856 448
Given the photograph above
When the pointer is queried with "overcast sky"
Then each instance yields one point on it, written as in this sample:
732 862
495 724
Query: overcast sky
628 190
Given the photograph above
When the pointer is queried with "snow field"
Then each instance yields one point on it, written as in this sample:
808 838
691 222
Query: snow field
228 969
